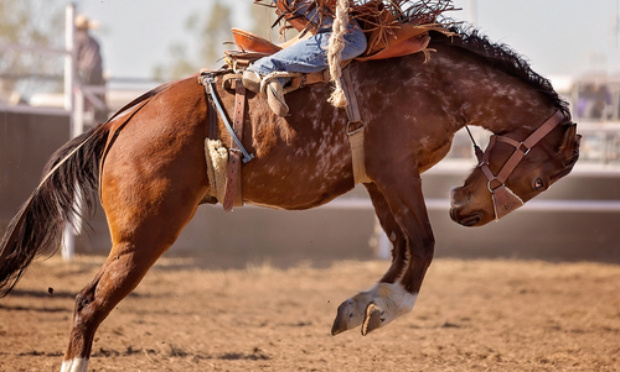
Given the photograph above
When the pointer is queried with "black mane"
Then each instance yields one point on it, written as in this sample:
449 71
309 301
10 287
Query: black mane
503 58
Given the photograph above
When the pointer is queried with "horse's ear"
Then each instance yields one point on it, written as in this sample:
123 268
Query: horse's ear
570 144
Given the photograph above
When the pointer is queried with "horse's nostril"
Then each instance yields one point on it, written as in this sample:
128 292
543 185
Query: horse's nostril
456 197
453 215
453 192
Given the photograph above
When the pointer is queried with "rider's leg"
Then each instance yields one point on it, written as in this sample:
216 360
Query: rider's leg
305 56
310 55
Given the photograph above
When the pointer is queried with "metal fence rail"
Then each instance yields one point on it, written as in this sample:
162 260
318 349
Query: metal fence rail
70 87
74 96
533 205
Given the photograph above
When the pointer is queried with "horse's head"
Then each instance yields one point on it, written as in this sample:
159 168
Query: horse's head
513 170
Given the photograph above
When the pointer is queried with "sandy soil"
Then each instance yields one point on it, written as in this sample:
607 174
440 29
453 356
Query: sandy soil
474 315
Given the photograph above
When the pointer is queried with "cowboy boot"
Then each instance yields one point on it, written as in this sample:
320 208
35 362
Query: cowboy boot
275 98
275 93
251 80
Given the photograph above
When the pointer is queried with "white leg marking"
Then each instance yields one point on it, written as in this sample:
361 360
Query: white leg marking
75 365
393 299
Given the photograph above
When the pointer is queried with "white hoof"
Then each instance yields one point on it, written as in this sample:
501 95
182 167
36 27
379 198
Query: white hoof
374 308
75 365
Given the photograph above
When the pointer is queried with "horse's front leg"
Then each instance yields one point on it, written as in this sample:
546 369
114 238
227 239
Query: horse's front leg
393 231
351 312
408 226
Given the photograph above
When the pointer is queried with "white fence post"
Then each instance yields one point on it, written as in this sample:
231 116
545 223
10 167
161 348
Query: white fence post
68 238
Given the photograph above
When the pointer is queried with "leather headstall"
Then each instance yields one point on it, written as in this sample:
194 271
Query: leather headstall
504 199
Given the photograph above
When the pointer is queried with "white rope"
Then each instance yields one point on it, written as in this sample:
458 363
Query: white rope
334 52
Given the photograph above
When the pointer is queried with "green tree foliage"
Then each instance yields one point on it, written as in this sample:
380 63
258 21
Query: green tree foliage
216 30
264 17
206 33
30 23
209 36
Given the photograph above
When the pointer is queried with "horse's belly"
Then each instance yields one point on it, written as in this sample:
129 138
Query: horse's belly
296 185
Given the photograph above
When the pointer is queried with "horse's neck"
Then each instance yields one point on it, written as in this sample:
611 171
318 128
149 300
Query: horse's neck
489 97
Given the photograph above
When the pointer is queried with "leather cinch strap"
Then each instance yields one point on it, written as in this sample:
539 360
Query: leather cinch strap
233 196
237 154
355 131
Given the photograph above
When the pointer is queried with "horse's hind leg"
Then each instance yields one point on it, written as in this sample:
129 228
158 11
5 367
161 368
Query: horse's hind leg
139 238
118 276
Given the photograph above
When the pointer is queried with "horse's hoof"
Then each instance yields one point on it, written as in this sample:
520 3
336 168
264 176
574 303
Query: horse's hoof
373 319
349 316
374 308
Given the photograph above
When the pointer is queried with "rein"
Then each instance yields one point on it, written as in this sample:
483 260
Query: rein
504 199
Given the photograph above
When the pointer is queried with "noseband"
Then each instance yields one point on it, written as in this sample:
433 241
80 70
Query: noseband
504 199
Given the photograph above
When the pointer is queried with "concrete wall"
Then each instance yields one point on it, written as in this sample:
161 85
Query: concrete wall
283 238
526 233
26 142
322 235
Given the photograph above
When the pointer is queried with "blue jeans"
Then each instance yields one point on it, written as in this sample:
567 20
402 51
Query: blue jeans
310 55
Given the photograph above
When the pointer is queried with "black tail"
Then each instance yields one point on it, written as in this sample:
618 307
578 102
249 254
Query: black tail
37 227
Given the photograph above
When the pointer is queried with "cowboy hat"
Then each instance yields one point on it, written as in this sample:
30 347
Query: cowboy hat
83 23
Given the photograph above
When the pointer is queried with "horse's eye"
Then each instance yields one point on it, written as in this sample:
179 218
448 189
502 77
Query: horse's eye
539 184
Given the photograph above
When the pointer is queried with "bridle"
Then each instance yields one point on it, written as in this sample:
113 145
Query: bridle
504 199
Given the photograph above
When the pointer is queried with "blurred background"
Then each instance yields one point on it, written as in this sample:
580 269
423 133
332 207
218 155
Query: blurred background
46 97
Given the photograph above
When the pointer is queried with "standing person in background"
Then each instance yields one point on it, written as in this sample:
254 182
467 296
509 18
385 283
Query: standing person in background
90 64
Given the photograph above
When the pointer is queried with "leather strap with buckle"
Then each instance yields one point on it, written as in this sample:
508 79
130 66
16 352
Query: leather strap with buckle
233 196
355 130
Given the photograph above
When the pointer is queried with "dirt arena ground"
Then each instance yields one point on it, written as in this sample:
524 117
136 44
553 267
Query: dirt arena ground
472 315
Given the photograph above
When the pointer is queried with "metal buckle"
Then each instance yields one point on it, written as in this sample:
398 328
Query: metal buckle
491 190
356 130
521 147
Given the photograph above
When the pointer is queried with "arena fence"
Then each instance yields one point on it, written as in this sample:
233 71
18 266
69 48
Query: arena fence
71 90
75 96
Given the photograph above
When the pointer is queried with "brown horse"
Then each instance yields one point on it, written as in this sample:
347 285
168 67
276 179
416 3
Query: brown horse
149 169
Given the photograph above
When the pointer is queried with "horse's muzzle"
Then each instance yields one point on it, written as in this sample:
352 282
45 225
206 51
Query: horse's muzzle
459 200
